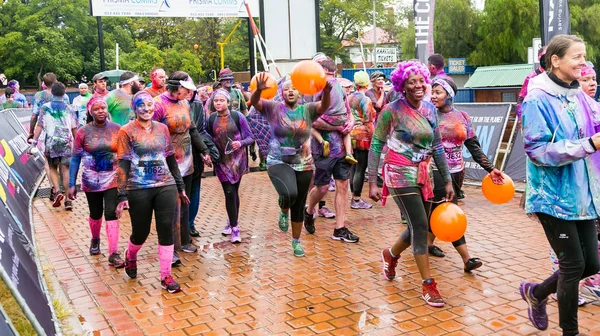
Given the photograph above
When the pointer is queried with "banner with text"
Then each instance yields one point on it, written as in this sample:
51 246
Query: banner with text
14 149
173 8
17 260
489 122
424 10
555 19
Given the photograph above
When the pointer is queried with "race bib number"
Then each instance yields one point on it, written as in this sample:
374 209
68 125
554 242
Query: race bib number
154 168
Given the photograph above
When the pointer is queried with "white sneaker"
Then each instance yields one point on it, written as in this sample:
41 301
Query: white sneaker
227 230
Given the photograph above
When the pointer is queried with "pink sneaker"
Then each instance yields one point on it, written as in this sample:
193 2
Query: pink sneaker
325 212
235 235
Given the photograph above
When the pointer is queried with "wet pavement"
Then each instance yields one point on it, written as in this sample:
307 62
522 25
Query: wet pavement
259 288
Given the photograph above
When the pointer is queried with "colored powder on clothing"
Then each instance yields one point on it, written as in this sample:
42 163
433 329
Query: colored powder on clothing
119 106
58 120
455 128
97 146
147 150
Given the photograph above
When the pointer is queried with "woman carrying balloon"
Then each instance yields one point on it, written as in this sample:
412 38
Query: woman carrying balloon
456 131
290 163
230 132
96 145
563 178
409 128
149 182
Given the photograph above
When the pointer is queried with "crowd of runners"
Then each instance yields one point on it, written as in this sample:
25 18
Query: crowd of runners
144 149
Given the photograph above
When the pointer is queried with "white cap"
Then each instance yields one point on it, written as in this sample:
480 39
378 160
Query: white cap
83 86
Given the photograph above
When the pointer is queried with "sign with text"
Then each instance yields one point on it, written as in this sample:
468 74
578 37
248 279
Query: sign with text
457 66
14 149
17 261
489 122
386 55
555 19
423 10
173 8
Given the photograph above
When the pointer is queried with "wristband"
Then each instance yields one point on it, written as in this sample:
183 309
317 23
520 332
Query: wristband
592 144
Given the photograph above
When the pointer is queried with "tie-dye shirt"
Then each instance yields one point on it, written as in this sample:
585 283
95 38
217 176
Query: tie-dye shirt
233 164
119 106
57 119
338 108
154 92
176 115
364 117
455 128
147 150
79 105
11 105
97 146
290 134
43 97
563 167
412 133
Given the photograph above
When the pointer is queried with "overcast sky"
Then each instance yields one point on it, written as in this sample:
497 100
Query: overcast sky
477 3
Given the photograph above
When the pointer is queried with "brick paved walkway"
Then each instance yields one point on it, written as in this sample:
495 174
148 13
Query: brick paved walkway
259 288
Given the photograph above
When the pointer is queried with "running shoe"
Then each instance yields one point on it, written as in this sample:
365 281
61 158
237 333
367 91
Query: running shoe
360 204
472 264
345 235
69 205
189 248
227 229
170 285
389 264
536 309
194 232
284 223
326 149
52 195
95 246
309 222
325 212
460 195
581 301
262 166
331 185
116 260
431 295
350 159
235 235
298 250
58 199
436 251
590 288
130 266
176 261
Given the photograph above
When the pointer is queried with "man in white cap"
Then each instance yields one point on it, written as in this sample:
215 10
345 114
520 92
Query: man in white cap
79 104
119 100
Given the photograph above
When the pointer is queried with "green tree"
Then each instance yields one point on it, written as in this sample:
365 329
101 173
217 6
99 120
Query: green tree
585 23
506 30
455 28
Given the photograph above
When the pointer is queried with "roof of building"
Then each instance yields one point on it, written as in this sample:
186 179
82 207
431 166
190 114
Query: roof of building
499 76
366 37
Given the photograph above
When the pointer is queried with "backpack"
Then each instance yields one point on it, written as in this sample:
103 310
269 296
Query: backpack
213 116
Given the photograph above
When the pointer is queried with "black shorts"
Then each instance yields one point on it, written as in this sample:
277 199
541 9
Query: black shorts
326 167
58 161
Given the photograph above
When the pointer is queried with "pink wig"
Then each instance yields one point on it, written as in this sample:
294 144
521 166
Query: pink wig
587 70
406 69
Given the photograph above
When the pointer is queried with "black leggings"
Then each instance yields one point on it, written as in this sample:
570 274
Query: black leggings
415 210
102 201
439 192
183 226
358 171
292 187
576 246
232 201
142 202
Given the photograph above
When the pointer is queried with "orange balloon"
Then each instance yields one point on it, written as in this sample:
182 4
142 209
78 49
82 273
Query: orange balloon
498 193
308 77
268 93
448 222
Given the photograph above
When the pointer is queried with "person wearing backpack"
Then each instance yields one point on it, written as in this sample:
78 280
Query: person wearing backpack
231 134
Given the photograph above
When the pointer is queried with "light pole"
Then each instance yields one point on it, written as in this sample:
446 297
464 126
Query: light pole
374 35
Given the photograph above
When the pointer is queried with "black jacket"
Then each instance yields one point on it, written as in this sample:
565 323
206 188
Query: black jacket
198 116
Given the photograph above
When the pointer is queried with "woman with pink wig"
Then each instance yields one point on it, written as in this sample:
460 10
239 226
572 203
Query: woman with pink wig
409 128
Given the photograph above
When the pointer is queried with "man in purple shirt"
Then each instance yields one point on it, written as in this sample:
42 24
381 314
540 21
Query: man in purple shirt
436 67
